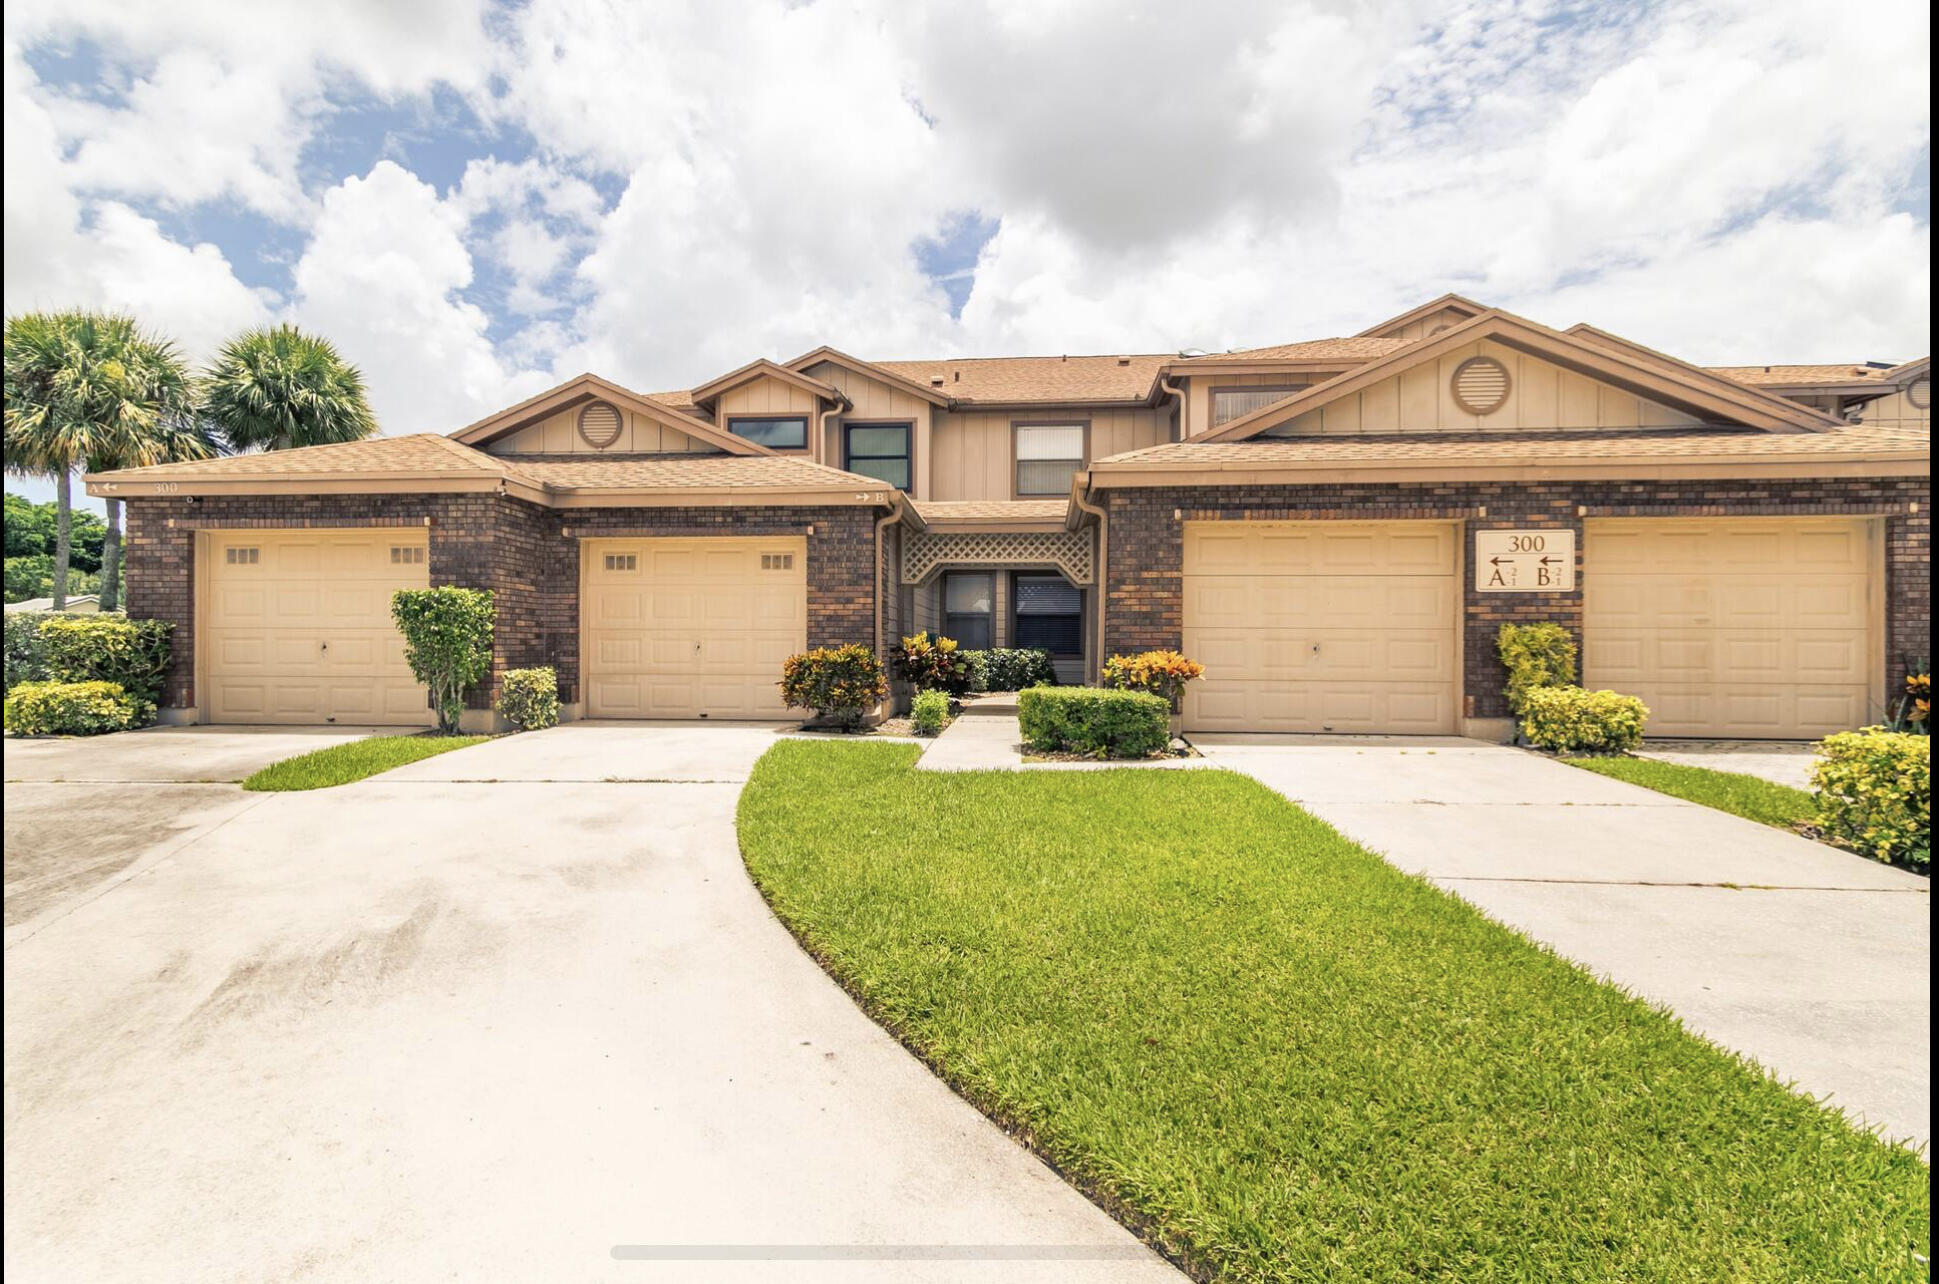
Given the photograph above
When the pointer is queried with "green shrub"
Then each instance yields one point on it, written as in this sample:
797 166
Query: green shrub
839 683
74 709
1572 720
447 642
1095 722
1875 794
1162 673
932 665
133 654
1010 669
26 657
529 698
930 712
1536 656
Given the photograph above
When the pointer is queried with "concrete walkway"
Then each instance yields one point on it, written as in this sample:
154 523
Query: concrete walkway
492 1017
1780 762
1813 961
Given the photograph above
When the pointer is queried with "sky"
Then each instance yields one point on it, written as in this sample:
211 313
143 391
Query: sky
475 201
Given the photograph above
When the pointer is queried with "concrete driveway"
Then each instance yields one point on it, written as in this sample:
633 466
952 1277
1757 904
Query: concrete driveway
1810 960
495 1016
83 811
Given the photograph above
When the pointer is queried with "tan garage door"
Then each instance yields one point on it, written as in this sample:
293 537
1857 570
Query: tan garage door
1759 628
1322 626
296 627
692 628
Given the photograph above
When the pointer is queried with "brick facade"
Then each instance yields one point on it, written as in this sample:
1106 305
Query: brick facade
526 554
1145 600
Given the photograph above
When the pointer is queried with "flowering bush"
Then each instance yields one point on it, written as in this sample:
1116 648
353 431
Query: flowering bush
1572 720
1536 656
839 683
529 698
932 665
1162 673
1875 794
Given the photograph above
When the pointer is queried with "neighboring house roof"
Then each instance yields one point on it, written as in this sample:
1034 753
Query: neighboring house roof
994 514
74 604
589 387
1351 348
1047 380
429 463
1786 376
1613 360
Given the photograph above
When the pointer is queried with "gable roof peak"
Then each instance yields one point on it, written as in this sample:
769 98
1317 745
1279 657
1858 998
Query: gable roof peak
1449 302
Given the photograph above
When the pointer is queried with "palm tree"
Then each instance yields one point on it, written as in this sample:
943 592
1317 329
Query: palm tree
274 388
91 389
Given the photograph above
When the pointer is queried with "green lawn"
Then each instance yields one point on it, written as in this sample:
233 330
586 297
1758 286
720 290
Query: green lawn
1764 801
341 764
1279 1058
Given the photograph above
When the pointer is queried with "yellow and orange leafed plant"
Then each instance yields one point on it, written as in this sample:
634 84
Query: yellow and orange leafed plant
1162 673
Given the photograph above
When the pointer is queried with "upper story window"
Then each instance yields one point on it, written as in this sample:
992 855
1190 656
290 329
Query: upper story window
1236 403
776 432
880 451
1048 456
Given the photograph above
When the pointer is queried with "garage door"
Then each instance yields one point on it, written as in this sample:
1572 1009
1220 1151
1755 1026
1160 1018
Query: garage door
1322 626
297 629
1759 628
692 628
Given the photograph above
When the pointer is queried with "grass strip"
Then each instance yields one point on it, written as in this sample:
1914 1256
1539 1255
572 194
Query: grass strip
341 764
1753 798
1279 1058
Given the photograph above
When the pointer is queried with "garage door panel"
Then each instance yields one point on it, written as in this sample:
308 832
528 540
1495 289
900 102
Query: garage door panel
1321 626
1738 627
700 628
297 627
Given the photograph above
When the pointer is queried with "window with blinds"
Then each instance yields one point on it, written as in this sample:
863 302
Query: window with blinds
1050 615
969 606
1236 403
1048 456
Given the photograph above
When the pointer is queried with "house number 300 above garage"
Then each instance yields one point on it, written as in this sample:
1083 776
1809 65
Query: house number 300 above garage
1524 561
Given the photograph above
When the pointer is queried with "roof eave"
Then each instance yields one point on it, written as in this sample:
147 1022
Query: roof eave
1884 463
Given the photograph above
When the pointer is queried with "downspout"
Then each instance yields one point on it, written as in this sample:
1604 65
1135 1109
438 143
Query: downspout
1103 582
821 442
1184 427
897 501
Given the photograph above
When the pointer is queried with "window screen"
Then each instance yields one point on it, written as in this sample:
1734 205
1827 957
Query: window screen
1236 403
880 451
1050 614
969 605
775 434
1047 457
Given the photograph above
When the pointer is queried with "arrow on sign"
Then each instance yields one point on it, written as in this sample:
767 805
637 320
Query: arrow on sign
1547 560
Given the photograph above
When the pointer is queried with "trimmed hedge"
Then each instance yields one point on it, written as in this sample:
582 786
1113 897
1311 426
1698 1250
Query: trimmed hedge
132 654
74 709
839 683
1572 720
26 657
930 712
529 698
1010 669
1875 794
1095 722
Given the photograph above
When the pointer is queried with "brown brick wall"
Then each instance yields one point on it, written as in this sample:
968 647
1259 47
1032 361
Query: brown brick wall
1146 554
521 551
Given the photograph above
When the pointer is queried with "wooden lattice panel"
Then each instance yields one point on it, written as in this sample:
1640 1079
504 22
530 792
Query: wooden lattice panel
1072 552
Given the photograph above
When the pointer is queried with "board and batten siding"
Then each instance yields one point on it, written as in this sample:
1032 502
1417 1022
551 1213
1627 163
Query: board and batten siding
559 435
1198 391
973 452
1897 411
765 396
1432 323
1541 395
873 400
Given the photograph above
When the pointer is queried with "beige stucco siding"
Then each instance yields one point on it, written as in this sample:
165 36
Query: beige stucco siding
1540 395
973 452
559 435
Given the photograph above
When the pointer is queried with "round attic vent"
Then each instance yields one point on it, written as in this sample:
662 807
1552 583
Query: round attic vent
599 424
1480 385
1919 393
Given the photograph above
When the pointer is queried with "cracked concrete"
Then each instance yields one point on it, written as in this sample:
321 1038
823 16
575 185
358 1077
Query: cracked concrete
1812 961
